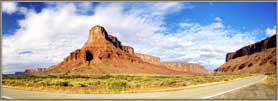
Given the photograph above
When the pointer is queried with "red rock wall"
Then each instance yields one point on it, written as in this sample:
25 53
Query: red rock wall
259 62
148 58
104 54
34 70
114 41
128 49
186 67
253 48
259 57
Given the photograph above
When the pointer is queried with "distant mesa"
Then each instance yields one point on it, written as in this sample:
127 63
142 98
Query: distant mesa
148 58
31 71
187 67
104 54
259 57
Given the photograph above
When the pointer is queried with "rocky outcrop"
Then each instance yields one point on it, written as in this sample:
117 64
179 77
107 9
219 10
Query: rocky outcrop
148 58
128 49
100 46
259 57
19 73
253 48
104 54
114 41
189 68
186 67
33 71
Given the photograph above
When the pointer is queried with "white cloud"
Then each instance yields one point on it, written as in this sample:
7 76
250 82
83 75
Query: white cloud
60 29
218 19
217 25
270 31
203 44
9 7
185 24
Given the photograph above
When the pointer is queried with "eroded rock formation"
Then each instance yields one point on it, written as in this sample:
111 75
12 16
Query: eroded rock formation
186 67
253 48
31 71
128 49
104 54
259 57
148 58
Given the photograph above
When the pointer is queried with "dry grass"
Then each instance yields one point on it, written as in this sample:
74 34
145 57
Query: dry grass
113 84
271 80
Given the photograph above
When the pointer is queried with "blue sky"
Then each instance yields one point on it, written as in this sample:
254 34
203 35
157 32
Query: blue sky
197 32
238 15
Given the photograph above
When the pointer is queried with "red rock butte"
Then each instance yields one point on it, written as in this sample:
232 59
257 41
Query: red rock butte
104 54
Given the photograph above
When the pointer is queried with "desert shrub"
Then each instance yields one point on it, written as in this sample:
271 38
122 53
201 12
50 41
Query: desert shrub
78 84
226 79
110 84
58 82
117 85
105 77
168 83
74 84
269 73
94 83
82 85
7 82
271 80
43 83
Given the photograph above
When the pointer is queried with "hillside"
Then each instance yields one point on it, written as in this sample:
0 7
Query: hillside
259 57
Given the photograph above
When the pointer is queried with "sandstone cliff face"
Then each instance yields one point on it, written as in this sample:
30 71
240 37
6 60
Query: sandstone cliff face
100 46
255 58
104 54
128 49
32 71
189 68
186 67
253 48
148 58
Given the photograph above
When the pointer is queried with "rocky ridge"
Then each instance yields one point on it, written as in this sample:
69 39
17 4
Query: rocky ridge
104 54
253 48
186 67
259 57
148 58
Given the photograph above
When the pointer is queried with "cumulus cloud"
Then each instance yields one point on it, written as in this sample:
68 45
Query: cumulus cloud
185 24
217 19
9 7
48 36
270 31
53 33
205 44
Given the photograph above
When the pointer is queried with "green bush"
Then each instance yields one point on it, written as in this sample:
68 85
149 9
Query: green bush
269 73
94 83
117 85
168 83
55 82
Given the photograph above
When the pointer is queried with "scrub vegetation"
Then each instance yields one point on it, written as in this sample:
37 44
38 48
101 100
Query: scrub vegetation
270 80
113 84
